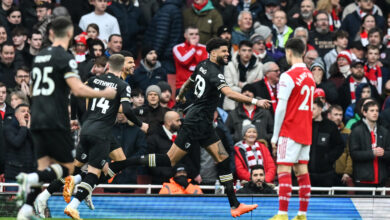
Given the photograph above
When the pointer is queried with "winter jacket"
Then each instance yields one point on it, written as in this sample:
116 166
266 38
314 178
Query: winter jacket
173 188
20 154
261 91
186 58
207 20
343 165
323 43
353 22
130 22
287 35
363 156
143 77
228 12
242 169
152 116
232 76
252 188
262 119
238 35
327 146
9 114
166 29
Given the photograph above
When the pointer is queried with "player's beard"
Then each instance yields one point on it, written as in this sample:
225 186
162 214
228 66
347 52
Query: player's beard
221 61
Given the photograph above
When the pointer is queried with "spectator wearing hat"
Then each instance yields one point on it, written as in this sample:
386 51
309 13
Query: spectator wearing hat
166 95
165 31
243 30
187 55
250 114
340 41
347 92
266 32
340 69
107 23
326 148
257 184
228 12
149 72
152 112
205 17
180 184
81 48
250 152
243 69
259 48
320 95
329 88
305 16
43 11
280 31
225 32
319 37
267 88
352 22
270 7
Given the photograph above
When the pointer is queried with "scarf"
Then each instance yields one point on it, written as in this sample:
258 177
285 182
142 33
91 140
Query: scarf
252 114
374 75
251 157
375 163
334 21
200 6
274 98
364 38
352 87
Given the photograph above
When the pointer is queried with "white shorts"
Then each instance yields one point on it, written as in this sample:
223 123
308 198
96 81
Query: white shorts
291 152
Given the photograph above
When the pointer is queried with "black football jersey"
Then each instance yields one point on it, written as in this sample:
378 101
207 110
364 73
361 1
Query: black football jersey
208 79
50 92
101 113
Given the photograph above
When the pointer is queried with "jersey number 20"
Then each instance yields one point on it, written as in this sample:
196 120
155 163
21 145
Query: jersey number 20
102 103
307 92
44 78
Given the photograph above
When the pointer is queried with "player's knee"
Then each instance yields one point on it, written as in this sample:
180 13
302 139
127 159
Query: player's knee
62 171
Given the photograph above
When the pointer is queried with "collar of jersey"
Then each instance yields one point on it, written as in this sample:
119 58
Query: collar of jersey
298 65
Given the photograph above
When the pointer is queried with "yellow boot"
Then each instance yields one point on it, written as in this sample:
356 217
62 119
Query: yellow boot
300 217
279 217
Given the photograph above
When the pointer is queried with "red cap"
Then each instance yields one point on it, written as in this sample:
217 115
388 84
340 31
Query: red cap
346 54
82 39
319 93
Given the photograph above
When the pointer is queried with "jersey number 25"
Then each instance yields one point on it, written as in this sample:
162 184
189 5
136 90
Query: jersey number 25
44 78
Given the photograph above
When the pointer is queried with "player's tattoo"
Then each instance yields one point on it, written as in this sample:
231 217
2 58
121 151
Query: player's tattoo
186 86
221 150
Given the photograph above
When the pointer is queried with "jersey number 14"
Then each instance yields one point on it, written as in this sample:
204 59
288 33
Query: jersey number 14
102 104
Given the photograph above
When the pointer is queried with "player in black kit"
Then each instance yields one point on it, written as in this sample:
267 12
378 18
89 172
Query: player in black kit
96 131
208 82
54 74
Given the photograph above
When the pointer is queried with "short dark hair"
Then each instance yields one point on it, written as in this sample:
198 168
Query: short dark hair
257 167
94 26
19 30
336 107
116 62
296 45
190 27
370 104
126 53
93 42
318 102
113 35
372 47
21 105
340 34
101 61
137 92
2 85
12 9
318 13
24 68
6 43
375 30
245 43
215 43
60 26
34 31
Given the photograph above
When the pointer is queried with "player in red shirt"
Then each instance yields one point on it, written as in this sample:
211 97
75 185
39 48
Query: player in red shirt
293 129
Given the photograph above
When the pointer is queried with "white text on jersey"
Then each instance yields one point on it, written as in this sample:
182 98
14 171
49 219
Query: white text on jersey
42 59
104 83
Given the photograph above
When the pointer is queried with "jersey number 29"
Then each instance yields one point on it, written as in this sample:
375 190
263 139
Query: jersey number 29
44 78
200 86
102 103
307 92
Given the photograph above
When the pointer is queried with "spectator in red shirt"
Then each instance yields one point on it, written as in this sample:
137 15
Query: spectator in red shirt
250 152
187 55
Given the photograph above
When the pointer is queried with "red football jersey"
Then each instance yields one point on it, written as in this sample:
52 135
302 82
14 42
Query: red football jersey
297 87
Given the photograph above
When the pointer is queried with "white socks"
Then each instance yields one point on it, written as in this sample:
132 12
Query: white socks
74 203
33 178
77 179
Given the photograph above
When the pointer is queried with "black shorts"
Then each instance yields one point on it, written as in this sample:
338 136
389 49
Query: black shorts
82 156
96 148
57 144
190 134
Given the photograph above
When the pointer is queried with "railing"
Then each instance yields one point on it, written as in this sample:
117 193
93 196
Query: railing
149 187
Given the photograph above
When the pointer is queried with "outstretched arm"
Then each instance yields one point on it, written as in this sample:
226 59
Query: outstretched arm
228 92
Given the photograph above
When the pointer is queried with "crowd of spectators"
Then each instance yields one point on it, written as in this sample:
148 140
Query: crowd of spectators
348 52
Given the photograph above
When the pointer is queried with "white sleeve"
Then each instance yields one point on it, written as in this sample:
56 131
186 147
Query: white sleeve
286 85
82 24
115 28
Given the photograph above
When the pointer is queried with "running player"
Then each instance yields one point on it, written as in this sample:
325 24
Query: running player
54 72
96 129
208 82
293 129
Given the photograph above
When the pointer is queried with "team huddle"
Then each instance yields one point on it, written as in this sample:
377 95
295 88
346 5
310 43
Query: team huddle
55 75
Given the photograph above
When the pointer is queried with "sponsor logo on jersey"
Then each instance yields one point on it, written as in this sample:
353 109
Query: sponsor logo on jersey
103 162
83 156
221 76
187 145
203 70
43 59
